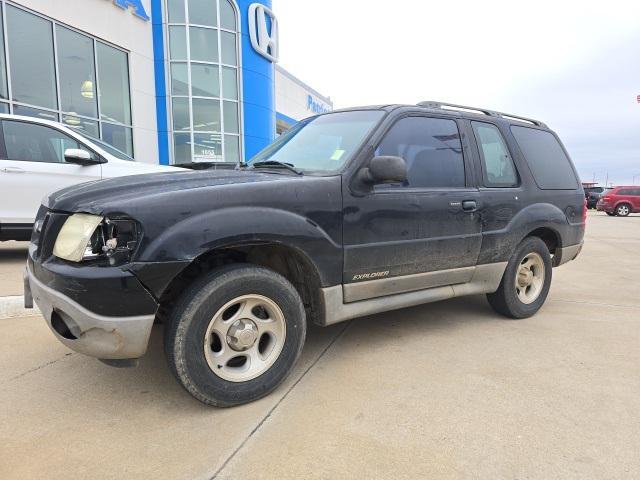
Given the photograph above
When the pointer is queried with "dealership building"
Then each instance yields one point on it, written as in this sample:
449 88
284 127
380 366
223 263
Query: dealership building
166 81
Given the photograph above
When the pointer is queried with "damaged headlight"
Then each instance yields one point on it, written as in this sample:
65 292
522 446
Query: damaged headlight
90 237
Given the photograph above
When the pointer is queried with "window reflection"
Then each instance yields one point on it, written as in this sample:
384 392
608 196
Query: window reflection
87 99
33 77
119 136
4 90
77 73
113 75
199 42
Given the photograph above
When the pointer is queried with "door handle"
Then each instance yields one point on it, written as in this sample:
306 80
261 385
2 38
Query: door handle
469 206
13 170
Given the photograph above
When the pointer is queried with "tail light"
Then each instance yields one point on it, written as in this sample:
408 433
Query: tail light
584 211
606 199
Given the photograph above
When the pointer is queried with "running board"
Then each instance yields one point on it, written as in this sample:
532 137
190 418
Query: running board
486 279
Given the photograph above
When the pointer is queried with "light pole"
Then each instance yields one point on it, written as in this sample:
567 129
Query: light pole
634 178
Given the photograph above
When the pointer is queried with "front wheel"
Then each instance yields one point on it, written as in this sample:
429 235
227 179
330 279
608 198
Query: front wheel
235 335
623 210
526 281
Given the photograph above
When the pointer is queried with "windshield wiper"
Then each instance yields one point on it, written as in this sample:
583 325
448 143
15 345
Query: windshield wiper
276 164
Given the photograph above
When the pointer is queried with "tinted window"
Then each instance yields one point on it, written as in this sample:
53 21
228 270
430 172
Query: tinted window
35 143
4 92
77 73
33 77
107 147
497 166
203 12
549 164
432 149
113 74
227 15
118 136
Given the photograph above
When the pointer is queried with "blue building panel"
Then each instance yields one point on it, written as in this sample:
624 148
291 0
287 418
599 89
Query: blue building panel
162 120
257 85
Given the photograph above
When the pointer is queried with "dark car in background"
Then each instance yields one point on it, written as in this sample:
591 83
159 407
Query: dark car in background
592 195
620 201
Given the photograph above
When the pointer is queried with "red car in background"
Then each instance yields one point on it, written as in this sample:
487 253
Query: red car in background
620 201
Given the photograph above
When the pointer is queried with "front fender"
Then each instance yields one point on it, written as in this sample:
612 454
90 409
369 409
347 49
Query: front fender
198 234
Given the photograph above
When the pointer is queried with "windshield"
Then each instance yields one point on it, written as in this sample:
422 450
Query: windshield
322 143
107 148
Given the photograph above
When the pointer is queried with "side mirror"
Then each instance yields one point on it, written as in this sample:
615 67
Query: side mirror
386 169
79 156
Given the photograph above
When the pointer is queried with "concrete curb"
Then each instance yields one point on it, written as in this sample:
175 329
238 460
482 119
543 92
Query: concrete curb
13 307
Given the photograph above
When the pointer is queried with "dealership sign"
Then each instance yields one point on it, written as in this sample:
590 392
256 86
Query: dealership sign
263 31
316 106
136 7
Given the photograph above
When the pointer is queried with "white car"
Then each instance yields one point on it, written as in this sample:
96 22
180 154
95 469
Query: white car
38 157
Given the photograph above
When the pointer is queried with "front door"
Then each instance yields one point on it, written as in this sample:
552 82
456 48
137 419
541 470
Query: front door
420 234
32 165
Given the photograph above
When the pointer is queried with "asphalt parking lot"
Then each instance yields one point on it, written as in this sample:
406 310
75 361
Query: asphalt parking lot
447 390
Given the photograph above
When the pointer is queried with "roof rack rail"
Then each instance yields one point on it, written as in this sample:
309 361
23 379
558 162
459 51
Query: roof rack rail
485 111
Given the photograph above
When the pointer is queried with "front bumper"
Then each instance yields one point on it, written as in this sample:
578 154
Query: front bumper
104 337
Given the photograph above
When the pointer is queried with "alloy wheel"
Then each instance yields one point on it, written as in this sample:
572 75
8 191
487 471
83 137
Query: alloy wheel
530 278
623 210
244 338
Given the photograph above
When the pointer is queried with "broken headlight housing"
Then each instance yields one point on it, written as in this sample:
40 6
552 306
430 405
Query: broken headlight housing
85 237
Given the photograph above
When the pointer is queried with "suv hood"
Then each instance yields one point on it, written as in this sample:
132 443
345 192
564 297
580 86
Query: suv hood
118 193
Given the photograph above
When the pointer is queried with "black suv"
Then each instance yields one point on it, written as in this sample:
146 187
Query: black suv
593 194
347 214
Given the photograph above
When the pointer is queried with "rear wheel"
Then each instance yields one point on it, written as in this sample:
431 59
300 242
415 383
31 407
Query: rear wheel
526 281
623 210
235 335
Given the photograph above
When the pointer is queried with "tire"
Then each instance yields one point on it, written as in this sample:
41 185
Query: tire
209 364
611 214
507 300
623 210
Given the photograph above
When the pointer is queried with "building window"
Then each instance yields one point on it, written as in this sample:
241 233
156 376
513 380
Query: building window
50 71
203 52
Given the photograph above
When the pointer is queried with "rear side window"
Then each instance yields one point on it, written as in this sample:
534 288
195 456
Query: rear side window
497 166
549 164
432 149
628 191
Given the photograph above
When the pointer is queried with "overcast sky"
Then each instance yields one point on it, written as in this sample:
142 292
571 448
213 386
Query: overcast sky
574 65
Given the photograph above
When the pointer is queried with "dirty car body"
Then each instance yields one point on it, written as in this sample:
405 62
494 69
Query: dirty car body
351 243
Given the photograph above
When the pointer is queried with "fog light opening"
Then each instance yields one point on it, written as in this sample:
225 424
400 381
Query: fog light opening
63 325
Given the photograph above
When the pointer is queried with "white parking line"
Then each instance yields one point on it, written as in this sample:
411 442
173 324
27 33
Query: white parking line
12 307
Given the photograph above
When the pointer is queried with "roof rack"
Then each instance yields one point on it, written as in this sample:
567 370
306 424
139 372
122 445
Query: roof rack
483 111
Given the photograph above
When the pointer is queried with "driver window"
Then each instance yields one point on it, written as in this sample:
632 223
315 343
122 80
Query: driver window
432 149
29 142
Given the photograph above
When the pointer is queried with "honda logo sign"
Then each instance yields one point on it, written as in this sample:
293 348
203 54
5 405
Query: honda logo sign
263 39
